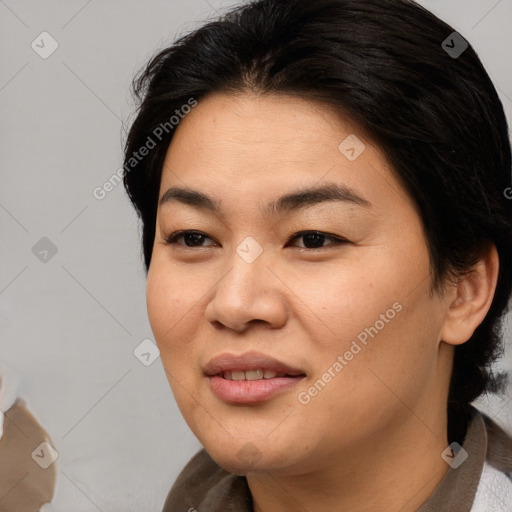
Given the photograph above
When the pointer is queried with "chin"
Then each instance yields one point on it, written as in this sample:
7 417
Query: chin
243 456
247 459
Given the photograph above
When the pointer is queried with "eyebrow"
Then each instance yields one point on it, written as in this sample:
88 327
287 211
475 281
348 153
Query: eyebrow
296 200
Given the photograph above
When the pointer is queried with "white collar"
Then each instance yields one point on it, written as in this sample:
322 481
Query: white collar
494 492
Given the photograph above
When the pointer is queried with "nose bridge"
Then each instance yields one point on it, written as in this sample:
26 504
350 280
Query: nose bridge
248 291
249 274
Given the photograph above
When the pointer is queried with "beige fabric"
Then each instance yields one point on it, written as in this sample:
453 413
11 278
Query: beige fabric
203 486
456 492
499 447
24 485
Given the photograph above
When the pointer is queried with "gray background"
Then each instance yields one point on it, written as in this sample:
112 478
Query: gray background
69 325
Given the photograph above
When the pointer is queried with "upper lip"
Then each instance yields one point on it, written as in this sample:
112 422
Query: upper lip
246 362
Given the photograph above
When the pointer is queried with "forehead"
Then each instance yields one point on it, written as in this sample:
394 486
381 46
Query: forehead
247 146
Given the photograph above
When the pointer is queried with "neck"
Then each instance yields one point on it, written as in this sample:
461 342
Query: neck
396 470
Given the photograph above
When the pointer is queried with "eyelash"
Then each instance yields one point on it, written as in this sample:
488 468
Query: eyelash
172 238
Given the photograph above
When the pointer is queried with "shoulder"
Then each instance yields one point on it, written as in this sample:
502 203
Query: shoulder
499 446
494 491
203 485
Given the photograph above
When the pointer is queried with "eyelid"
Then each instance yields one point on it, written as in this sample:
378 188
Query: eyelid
335 239
172 237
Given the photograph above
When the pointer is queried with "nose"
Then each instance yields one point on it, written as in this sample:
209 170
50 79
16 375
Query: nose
248 294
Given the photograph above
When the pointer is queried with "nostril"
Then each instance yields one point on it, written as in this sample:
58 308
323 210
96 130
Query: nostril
217 325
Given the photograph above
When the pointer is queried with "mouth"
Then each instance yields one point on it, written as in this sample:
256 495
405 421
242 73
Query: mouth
250 378
259 374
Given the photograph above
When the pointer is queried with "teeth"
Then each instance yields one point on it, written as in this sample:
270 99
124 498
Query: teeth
252 375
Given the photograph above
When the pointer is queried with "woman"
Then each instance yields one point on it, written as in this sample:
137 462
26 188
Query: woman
322 189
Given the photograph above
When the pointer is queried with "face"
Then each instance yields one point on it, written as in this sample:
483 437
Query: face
289 287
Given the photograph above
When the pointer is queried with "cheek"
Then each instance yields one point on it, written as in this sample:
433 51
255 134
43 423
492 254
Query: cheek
170 305
372 372
391 352
378 318
170 302
347 298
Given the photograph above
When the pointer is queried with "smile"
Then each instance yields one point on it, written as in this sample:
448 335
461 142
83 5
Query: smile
252 375
250 378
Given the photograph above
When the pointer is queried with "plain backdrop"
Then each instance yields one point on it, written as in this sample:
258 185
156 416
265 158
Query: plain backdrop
72 285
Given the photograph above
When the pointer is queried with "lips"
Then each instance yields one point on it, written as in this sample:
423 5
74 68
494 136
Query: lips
250 378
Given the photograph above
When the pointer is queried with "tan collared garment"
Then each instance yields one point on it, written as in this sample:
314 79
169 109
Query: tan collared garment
24 485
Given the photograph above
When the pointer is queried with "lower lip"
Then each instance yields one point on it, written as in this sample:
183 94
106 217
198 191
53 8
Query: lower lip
250 391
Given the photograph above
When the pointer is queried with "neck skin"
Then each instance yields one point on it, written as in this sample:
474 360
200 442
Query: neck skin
395 470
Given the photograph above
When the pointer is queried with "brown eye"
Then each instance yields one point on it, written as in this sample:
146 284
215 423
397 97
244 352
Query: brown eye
190 238
317 239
